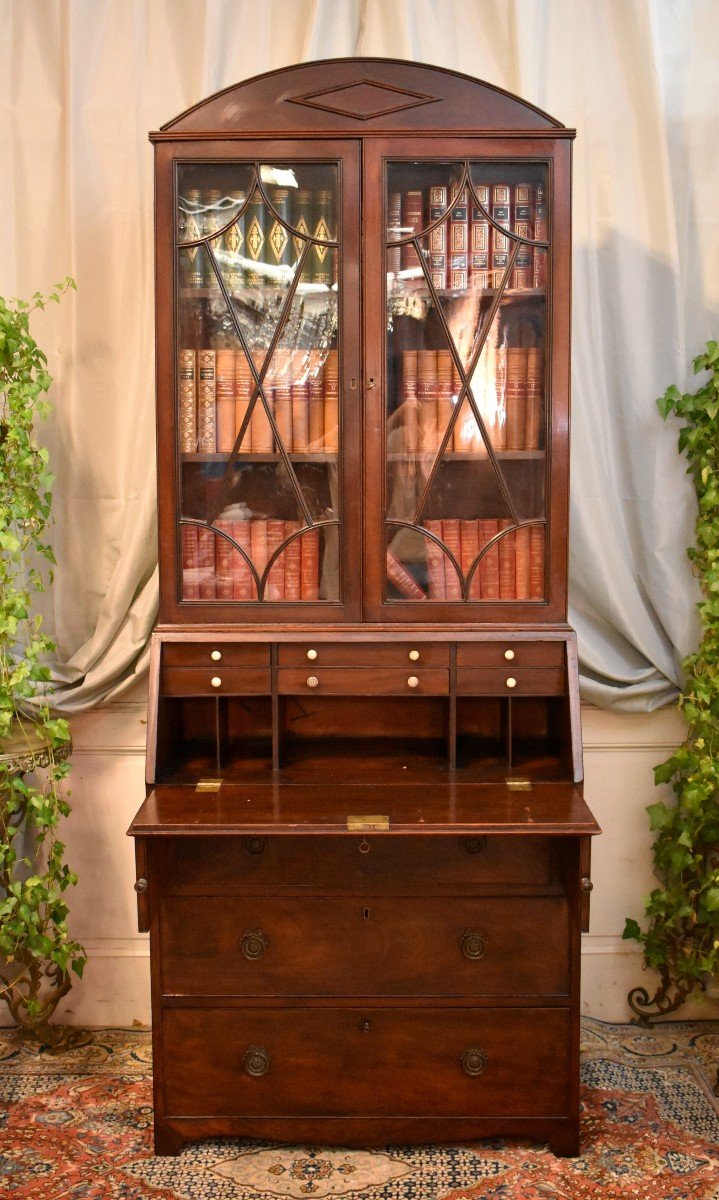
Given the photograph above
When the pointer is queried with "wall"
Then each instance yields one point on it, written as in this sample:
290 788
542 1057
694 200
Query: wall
107 787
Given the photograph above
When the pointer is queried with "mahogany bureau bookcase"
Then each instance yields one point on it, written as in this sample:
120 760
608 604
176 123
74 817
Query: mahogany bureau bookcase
363 857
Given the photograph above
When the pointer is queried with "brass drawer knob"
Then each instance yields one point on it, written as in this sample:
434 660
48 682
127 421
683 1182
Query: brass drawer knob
253 944
312 655
509 655
474 845
216 656
473 943
413 681
216 681
140 886
256 1060
414 655
511 682
473 1060
313 681
585 884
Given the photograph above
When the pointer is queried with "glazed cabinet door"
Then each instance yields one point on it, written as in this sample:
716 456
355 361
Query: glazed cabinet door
467 293
258 380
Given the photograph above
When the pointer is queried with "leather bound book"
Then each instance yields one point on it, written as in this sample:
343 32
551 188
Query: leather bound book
258 545
189 228
401 579
427 400
292 558
225 394
206 414
233 243
190 562
507 569
310 565
444 394
187 389
451 539
489 564
522 569
225 555
536 562
279 243
282 390
438 237
522 226
469 543
262 436
516 397
412 210
541 234
394 221
479 239
332 393
243 585
316 389
212 221
206 563
436 558
302 207
321 258
502 214
276 579
300 403
410 415
534 417
458 249
255 239
243 395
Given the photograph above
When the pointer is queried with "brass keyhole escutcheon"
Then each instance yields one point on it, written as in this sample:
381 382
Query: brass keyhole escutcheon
256 1060
473 1060
473 943
253 944
366 1026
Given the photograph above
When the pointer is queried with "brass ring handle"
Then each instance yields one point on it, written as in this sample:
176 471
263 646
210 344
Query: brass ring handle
216 656
509 655
253 944
254 845
140 885
585 884
511 683
474 845
312 681
256 1060
473 1060
216 681
364 846
413 681
473 943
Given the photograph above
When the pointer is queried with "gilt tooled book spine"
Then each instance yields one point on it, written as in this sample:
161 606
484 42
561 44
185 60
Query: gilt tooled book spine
206 415
190 562
435 562
187 388
225 399
401 579
533 424
255 240
206 563
302 208
438 237
322 257
522 226
410 416
332 392
276 578
469 544
278 240
489 564
261 432
310 565
458 275
451 539
233 243
427 400
293 563
258 544
541 234
300 403
316 391
212 221
412 208
394 221
479 239
243 395
189 229
502 215
280 377
522 563
444 394
507 568
536 562
243 585
516 397
225 555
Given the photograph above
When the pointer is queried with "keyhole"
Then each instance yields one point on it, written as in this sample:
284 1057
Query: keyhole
366 914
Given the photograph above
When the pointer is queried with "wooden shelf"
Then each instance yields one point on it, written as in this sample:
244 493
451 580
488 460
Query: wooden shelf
474 456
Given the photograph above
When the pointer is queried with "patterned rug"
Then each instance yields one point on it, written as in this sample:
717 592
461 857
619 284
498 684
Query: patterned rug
78 1125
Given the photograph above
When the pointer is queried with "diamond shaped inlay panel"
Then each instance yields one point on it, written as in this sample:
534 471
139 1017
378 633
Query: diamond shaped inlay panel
364 100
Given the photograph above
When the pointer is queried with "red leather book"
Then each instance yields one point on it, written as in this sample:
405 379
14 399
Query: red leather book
435 562
394 221
489 564
438 237
206 563
293 564
275 589
258 545
310 565
332 394
427 400
541 234
479 239
444 394
469 542
316 389
522 563
282 394
507 569
412 208
206 416
261 430
536 562
187 397
534 418
225 555
402 580
516 423
522 226
501 213
190 562
451 539
243 395
458 273
300 403
225 399
243 585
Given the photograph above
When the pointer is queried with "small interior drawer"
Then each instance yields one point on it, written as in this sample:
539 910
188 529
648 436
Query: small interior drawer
361 681
365 654
510 654
233 681
510 681
200 654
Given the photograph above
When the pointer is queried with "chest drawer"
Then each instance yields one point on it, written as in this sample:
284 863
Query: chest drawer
510 654
215 681
363 654
365 946
366 1062
359 861
215 654
510 681
360 681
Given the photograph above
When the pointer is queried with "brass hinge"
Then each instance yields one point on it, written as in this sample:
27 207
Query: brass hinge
208 785
519 785
362 824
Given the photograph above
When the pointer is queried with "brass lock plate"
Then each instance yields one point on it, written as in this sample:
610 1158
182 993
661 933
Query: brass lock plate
208 785
361 824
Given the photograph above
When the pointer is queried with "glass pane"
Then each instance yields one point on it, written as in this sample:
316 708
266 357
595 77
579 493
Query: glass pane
258 380
465 402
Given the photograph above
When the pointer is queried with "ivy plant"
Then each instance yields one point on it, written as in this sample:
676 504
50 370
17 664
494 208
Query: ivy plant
681 940
36 954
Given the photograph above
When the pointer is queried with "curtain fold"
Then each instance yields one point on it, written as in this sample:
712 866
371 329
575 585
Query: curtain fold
81 83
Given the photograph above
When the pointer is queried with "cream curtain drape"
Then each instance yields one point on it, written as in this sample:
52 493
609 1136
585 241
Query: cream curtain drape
81 82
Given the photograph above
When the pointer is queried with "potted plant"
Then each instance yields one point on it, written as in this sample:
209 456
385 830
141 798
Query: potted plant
681 941
36 955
